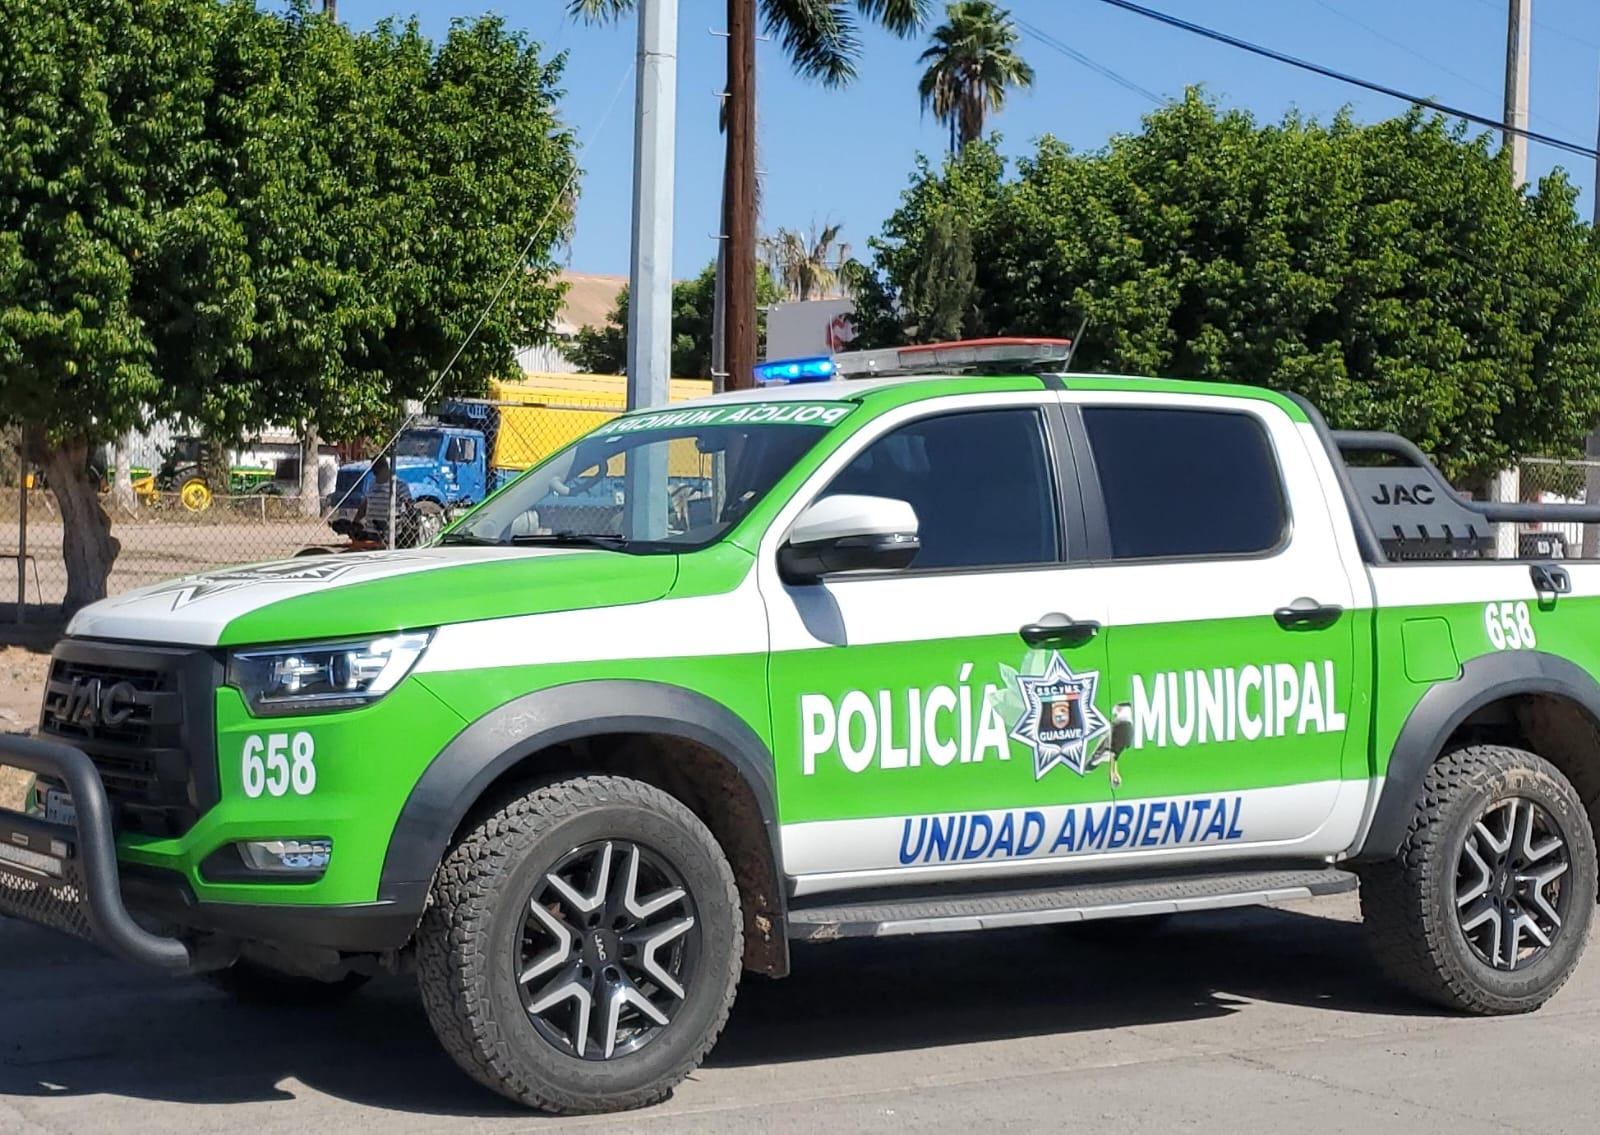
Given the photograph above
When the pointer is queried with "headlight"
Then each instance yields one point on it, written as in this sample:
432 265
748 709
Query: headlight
326 675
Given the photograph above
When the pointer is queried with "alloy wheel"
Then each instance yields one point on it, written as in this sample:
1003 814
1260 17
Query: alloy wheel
1511 892
607 950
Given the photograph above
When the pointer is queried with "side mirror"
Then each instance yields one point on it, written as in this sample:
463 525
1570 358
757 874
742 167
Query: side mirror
849 533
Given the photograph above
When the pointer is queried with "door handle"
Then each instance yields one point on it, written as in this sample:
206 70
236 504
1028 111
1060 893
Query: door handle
1307 613
1550 579
1056 627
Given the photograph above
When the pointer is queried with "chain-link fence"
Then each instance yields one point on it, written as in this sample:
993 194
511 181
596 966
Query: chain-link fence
1552 480
176 520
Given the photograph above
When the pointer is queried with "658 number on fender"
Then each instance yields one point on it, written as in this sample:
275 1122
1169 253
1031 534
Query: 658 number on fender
279 763
1509 627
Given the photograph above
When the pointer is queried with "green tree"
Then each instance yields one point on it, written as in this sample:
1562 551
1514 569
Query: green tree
388 186
1390 272
604 349
821 40
806 264
236 218
964 193
124 281
939 294
971 67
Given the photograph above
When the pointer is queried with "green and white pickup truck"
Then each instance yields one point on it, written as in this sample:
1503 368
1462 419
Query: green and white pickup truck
922 653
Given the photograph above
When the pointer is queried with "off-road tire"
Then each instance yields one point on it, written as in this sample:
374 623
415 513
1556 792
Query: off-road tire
253 984
428 522
1409 903
467 941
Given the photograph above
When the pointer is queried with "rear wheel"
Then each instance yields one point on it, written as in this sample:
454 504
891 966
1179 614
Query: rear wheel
582 947
1489 904
195 495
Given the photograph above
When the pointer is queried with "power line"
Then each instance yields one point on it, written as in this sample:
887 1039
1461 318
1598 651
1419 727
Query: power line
1415 54
1344 77
1499 7
1120 80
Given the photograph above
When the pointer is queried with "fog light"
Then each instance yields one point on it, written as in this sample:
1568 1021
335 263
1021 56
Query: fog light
288 856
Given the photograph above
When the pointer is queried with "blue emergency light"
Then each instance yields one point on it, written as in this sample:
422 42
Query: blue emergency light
782 371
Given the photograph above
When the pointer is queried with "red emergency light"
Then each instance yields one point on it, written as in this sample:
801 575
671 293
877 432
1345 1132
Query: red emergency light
1013 354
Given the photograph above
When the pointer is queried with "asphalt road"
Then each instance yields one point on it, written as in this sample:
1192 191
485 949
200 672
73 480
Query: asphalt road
1258 1021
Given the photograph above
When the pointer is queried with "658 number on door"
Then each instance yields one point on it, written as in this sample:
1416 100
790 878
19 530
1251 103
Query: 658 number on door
279 763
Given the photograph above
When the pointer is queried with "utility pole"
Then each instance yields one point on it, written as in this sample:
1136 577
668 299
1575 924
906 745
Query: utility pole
739 196
1591 451
650 270
1519 45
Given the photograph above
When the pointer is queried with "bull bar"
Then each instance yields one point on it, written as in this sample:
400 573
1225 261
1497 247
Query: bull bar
65 876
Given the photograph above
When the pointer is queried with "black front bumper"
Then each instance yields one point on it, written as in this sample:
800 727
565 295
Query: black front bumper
65 876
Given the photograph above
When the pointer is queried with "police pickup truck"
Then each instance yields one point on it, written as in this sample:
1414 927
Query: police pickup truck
945 639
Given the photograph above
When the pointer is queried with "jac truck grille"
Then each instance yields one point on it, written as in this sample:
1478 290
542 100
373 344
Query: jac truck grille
144 716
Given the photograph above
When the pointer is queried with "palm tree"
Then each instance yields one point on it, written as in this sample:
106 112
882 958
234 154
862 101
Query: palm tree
970 66
820 38
806 264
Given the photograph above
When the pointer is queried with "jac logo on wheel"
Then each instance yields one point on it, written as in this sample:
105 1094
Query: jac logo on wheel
87 702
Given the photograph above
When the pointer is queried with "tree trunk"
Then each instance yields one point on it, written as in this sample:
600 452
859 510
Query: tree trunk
330 8
86 541
122 479
739 191
310 467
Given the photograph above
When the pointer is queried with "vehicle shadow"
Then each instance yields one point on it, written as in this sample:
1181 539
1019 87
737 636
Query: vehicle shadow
75 1023
855 998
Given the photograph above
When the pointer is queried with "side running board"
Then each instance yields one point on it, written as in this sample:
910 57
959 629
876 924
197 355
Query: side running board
1078 903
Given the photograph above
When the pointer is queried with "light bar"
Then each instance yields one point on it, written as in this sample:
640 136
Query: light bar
782 372
1023 354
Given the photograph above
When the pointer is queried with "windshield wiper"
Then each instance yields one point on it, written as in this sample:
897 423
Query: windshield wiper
467 538
592 539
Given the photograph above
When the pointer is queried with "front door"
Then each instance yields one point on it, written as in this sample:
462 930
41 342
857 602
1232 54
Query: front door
941 720
1232 627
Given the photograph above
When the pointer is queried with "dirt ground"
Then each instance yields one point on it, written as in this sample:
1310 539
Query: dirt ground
23 669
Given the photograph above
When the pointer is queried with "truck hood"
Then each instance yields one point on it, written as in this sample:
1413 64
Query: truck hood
349 594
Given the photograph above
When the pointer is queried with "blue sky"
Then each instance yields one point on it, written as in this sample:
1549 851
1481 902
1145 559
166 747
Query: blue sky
846 155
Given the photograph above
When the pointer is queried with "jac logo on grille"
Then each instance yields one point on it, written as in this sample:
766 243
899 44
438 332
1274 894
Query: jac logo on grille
90 702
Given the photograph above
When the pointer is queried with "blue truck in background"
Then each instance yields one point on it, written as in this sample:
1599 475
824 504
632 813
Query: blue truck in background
469 447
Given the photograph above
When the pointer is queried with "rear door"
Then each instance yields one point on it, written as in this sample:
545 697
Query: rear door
1233 623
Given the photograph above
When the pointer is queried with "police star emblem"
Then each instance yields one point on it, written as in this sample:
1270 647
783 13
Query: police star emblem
1059 720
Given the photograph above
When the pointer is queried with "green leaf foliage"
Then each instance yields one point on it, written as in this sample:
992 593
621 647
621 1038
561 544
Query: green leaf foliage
1389 272
239 217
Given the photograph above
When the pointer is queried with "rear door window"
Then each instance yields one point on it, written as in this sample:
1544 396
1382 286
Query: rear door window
1184 484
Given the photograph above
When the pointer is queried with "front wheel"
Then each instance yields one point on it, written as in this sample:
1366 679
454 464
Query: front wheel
582 947
1488 905
428 522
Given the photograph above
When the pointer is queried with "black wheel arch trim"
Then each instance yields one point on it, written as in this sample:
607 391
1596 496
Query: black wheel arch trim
504 737
1483 680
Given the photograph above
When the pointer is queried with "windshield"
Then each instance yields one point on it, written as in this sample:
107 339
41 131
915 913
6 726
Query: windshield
418 443
666 481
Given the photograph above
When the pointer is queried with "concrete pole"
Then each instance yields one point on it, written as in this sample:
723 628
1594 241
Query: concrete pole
1519 44
650 273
